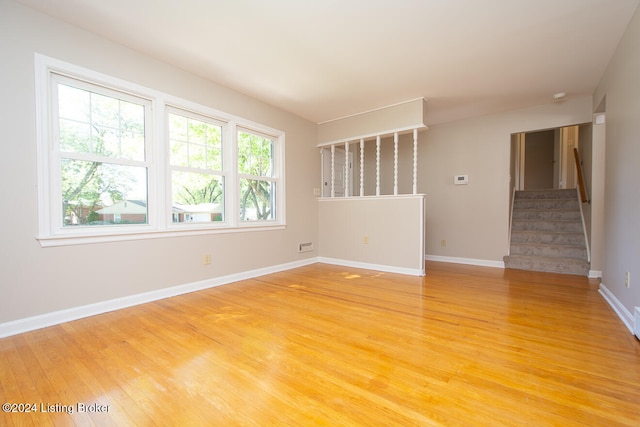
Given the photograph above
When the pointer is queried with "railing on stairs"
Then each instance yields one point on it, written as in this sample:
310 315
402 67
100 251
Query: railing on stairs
513 202
581 186
582 193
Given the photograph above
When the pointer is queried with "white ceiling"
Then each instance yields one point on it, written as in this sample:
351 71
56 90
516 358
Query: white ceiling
325 59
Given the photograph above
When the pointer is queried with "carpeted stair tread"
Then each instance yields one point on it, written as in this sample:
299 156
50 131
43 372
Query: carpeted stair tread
546 194
550 250
550 214
556 237
546 225
559 204
547 233
545 264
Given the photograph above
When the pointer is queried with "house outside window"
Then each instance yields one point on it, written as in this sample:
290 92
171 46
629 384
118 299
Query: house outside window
196 163
100 152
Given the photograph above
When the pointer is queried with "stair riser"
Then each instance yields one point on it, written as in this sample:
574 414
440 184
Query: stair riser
548 238
558 226
557 215
572 252
546 205
552 194
564 267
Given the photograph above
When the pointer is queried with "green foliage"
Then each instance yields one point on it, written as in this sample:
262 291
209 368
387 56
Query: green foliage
255 158
195 144
194 189
103 128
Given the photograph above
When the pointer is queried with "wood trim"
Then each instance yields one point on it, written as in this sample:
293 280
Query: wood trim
581 184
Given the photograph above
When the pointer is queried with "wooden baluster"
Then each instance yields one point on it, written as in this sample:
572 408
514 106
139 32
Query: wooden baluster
361 167
322 174
395 164
378 165
346 170
333 172
415 161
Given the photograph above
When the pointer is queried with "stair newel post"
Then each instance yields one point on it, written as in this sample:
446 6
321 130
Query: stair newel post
346 169
378 165
333 174
395 164
361 167
415 161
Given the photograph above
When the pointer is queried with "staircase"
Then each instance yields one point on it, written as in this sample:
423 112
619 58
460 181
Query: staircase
547 233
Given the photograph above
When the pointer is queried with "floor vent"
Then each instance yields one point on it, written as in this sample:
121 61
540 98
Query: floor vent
305 247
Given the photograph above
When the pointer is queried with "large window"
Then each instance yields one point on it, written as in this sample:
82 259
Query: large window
101 155
120 161
257 180
197 178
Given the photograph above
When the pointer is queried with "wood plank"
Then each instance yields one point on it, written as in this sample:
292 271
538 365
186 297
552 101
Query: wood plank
330 345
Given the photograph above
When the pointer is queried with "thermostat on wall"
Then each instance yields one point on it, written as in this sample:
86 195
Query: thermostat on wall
461 179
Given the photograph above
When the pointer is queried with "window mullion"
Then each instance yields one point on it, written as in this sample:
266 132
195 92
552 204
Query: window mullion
230 165
156 154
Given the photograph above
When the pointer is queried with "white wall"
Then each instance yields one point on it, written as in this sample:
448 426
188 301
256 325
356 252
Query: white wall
405 116
385 233
620 84
37 280
474 218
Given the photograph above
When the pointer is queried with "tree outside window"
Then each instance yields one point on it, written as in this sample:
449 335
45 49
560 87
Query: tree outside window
256 172
102 150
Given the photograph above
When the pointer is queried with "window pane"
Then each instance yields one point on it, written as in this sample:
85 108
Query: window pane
255 155
194 143
197 197
177 127
75 137
197 156
257 200
179 153
93 123
95 193
73 104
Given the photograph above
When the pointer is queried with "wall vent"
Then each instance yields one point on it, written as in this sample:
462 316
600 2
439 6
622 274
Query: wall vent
636 331
305 247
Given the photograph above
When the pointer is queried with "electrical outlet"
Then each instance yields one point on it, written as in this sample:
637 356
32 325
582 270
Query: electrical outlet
206 259
443 243
627 280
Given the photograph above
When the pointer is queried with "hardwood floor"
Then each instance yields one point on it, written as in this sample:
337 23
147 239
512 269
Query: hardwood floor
329 345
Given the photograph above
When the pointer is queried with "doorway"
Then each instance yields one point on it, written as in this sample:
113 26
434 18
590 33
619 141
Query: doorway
539 160
543 160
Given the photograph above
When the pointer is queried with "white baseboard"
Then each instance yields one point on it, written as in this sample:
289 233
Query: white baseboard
621 310
54 318
468 261
595 274
368 266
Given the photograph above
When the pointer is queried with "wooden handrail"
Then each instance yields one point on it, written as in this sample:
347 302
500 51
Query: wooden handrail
581 185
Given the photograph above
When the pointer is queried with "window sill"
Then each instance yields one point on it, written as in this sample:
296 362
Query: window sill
69 240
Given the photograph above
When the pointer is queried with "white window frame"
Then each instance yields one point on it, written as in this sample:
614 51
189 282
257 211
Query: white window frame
225 173
159 215
57 155
273 179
